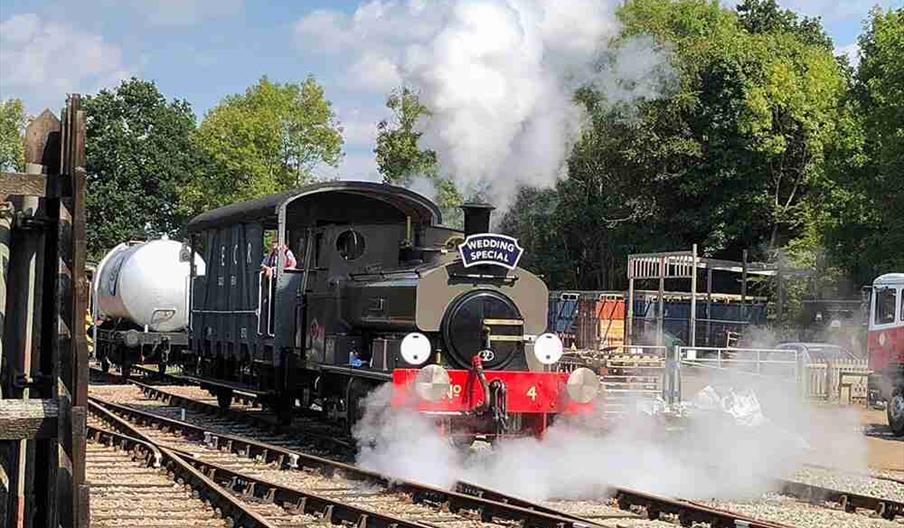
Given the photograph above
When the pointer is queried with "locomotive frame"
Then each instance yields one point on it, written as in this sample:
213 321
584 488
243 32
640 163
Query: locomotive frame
374 266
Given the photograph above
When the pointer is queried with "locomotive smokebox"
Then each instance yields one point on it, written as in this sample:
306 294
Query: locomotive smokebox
477 217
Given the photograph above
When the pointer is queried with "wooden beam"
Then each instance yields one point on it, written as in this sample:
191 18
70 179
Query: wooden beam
20 184
42 142
28 419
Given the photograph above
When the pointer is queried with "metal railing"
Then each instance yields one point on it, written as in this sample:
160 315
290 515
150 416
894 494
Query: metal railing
758 361
786 366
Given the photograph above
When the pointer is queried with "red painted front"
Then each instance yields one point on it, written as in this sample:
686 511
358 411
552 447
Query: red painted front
526 392
886 347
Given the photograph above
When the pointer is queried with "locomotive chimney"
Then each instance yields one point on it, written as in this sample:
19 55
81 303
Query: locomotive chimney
477 217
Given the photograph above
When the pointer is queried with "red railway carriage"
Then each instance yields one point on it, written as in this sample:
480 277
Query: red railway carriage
886 345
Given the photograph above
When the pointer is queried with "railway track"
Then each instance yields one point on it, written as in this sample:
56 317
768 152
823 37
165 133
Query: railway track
136 483
262 470
861 474
484 505
307 434
630 500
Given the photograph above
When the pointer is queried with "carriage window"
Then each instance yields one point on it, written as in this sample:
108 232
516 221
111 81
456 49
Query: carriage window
886 299
350 244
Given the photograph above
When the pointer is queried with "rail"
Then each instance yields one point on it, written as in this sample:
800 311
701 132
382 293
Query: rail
319 440
627 499
231 509
295 460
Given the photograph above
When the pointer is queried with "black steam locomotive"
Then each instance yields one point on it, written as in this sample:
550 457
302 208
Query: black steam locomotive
313 297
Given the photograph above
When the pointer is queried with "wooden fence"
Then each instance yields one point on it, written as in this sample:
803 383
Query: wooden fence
837 380
43 301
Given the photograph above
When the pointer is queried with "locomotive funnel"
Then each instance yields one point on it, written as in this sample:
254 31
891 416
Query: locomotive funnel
477 217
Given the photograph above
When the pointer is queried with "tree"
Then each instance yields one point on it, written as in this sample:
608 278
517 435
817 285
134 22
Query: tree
139 156
399 158
765 16
12 125
264 141
402 162
867 199
731 156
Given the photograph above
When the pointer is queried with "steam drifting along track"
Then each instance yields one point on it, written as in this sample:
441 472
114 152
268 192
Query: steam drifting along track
223 435
485 506
270 472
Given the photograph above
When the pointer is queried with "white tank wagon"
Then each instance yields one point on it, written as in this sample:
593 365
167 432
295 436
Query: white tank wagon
141 301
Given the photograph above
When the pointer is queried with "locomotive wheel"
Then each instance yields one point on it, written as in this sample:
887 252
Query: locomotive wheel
895 411
224 398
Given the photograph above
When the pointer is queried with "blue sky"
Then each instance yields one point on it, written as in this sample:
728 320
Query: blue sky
202 50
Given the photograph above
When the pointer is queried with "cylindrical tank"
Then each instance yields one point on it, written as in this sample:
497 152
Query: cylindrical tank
146 283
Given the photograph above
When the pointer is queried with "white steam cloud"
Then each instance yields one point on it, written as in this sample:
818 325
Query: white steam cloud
499 77
741 433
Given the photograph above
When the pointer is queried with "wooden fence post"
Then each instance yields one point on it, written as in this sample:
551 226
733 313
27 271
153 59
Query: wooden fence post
43 376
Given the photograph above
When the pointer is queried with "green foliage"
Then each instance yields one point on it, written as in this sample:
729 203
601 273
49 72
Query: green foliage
399 158
732 157
264 141
765 16
12 143
402 162
139 158
865 230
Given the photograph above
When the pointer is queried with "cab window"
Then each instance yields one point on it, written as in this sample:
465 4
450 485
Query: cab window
886 300
350 244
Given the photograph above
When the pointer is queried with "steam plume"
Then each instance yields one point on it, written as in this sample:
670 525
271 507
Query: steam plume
712 455
498 77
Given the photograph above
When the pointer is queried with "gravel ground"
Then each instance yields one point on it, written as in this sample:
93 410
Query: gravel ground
771 507
778 508
605 514
337 488
128 493
845 481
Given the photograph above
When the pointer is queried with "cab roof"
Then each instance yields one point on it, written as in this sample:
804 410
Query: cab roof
265 210
889 279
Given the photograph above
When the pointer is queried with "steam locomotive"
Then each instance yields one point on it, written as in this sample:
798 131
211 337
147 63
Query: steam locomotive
314 297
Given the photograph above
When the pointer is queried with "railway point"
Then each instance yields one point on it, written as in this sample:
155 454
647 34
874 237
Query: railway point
589 264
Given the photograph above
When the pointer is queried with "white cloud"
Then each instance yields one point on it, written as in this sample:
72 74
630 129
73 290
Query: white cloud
852 51
374 72
323 29
354 166
42 61
358 131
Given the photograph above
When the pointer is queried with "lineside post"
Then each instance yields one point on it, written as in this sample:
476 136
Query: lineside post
43 298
